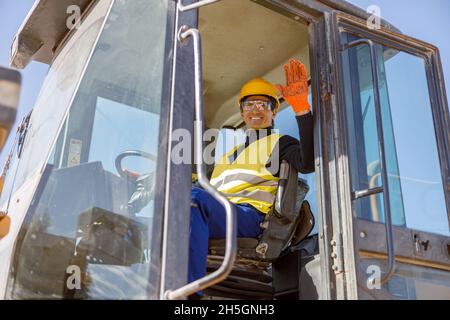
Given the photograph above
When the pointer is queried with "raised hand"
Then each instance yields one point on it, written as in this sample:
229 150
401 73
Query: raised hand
296 90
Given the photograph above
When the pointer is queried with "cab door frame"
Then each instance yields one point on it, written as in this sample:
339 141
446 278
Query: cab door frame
176 224
352 227
313 13
177 196
336 229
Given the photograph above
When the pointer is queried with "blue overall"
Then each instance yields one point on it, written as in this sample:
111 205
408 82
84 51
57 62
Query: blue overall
208 222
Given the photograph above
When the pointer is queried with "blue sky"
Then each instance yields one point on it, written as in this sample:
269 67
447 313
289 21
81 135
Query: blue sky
421 19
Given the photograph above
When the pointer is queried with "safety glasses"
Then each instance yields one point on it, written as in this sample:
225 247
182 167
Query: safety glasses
259 105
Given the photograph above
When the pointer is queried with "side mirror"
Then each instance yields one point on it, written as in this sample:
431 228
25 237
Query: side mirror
10 81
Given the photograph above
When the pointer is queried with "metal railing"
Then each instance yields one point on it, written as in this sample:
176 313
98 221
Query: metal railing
231 232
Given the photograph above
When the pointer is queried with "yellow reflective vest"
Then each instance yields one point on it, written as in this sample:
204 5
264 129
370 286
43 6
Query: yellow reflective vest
245 178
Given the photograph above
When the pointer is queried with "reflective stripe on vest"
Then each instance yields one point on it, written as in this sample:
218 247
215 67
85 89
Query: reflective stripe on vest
246 179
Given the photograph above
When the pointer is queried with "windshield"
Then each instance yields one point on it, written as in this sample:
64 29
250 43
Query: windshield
56 94
88 232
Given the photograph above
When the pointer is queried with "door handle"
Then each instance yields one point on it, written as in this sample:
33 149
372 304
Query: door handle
231 232
384 176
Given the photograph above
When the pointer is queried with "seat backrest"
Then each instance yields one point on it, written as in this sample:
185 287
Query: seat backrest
282 222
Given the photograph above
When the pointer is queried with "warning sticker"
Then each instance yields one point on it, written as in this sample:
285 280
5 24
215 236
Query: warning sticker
74 152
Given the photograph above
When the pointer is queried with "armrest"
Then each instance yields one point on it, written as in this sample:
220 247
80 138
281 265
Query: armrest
284 177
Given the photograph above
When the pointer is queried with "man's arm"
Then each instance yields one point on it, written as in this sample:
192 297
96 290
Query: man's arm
299 154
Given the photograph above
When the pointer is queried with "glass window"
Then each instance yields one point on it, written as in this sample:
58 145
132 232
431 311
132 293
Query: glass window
364 149
415 142
56 94
88 233
409 282
414 175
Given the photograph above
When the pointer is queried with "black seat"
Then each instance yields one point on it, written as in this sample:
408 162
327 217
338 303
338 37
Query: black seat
287 224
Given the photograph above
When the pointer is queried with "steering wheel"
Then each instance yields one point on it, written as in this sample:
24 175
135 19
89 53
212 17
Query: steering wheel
144 183
124 173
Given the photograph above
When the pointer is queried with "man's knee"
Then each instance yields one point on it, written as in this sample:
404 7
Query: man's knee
198 195
203 202
197 199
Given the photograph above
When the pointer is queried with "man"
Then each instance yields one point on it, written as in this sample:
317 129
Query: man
248 174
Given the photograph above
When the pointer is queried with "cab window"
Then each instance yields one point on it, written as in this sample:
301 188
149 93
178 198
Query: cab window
87 234
417 198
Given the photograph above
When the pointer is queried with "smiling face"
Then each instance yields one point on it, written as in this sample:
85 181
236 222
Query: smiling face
257 118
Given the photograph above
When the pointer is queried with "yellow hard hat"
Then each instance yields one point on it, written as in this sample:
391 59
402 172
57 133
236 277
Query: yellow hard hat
260 87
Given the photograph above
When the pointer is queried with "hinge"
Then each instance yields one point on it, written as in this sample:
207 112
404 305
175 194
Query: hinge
337 256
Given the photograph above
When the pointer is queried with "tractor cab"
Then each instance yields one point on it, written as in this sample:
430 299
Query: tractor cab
142 93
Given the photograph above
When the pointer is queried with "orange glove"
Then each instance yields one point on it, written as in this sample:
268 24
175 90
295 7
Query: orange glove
296 89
